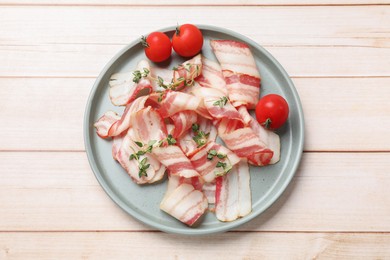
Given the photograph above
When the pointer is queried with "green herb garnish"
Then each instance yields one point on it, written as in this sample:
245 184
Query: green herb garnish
143 166
221 102
171 140
138 75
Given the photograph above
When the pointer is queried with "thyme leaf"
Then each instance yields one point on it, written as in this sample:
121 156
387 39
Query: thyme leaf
221 102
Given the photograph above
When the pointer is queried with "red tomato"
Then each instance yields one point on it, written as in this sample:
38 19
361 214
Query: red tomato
188 40
158 46
272 111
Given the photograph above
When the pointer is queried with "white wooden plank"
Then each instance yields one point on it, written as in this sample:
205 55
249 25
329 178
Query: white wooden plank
330 192
339 113
269 26
123 245
78 41
88 60
193 2
43 113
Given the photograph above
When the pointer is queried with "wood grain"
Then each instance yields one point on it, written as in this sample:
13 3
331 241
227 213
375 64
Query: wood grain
337 205
88 60
165 246
78 41
344 26
43 191
339 113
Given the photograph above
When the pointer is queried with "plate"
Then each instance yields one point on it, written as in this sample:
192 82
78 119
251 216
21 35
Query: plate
142 202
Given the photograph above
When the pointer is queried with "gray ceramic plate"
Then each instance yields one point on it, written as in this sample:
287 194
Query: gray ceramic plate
142 202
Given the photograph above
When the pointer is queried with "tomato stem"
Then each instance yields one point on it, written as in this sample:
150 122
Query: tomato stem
177 29
144 42
267 123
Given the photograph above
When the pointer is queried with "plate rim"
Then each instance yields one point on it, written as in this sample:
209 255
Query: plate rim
192 231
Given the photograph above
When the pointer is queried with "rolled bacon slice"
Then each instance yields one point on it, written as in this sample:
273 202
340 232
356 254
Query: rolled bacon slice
212 76
233 194
217 103
186 141
148 125
156 170
239 70
185 203
174 102
270 139
105 122
187 72
245 143
175 160
124 122
123 89
235 56
207 168
183 121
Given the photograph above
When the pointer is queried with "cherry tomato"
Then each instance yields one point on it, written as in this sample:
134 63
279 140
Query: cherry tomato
158 46
272 111
187 40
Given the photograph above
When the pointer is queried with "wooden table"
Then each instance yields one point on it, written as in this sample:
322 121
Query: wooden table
338 55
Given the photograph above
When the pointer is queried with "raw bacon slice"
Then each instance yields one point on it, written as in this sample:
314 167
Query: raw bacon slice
246 117
245 143
116 144
186 73
174 102
154 173
123 89
175 160
173 183
217 103
243 89
239 70
208 190
183 121
207 126
165 74
212 76
148 125
185 203
105 122
125 122
233 194
170 128
195 181
235 56
202 111
269 138
186 141
207 168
